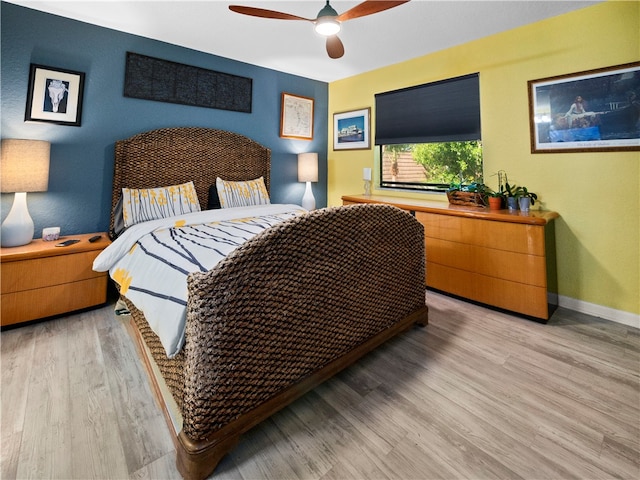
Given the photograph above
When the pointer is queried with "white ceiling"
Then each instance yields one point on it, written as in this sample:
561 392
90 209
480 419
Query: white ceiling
404 32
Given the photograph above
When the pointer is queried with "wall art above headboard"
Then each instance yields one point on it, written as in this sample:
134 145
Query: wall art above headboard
165 81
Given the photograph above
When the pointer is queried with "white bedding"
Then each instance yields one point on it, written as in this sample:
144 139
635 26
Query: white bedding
150 261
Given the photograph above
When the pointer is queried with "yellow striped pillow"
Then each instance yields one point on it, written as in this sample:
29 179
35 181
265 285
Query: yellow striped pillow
142 205
242 194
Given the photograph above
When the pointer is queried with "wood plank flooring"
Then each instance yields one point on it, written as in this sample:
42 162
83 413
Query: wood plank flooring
477 394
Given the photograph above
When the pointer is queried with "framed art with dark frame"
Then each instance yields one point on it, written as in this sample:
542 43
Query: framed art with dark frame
594 110
296 117
54 95
352 130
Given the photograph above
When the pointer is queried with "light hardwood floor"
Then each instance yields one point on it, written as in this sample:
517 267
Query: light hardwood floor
476 394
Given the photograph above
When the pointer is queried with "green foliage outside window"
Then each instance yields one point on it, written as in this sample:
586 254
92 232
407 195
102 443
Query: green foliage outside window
442 163
449 162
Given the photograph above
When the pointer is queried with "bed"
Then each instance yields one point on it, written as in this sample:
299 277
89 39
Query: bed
282 312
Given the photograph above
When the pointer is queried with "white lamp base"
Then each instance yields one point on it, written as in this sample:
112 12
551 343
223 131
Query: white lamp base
367 187
308 200
17 228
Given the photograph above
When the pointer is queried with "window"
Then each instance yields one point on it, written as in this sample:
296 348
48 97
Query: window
429 135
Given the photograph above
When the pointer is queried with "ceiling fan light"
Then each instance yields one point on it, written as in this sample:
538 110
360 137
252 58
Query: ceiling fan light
327 26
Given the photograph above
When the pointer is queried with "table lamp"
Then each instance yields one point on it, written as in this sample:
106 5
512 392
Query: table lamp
308 172
24 167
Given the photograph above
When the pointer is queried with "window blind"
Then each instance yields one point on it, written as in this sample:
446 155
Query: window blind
443 111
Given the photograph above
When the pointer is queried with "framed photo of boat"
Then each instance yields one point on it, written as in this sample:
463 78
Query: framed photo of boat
595 110
352 130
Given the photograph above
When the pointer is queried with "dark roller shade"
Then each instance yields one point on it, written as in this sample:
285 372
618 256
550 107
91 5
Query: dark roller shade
443 111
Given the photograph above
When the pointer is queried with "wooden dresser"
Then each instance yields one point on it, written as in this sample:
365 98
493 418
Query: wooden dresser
39 280
496 257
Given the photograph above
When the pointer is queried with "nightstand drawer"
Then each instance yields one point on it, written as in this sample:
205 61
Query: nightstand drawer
44 302
44 272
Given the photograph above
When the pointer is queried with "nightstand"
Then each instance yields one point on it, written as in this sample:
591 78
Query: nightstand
39 280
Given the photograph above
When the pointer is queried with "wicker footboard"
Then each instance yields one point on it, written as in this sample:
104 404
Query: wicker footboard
286 311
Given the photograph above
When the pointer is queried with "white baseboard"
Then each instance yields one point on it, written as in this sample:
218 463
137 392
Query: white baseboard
618 316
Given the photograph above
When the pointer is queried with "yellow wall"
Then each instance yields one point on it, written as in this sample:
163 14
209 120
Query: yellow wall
596 194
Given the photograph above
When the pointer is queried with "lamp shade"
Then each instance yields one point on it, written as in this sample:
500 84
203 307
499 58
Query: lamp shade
308 167
326 23
327 26
24 165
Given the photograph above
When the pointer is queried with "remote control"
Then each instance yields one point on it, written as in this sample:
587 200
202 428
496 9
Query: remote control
95 238
67 243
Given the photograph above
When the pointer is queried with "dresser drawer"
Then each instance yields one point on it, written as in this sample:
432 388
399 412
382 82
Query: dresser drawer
511 237
517 297
511 266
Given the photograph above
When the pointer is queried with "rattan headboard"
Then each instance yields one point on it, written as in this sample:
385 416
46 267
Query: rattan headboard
170 156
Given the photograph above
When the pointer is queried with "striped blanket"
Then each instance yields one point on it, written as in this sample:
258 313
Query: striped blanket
150 261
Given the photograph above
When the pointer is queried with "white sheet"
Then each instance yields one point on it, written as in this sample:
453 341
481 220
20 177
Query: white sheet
150 261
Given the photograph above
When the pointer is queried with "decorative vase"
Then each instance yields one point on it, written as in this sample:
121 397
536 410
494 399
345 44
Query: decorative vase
512 203
525 203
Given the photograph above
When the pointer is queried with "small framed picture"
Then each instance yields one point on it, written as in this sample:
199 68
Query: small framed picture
591 111
54 95
351 130
296 120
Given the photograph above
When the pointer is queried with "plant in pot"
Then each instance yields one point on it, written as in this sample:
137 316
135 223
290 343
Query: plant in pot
495 200
510 196
507 191
474 194
525 198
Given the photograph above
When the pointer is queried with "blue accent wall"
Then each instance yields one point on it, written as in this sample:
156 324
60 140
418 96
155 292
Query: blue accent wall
81 170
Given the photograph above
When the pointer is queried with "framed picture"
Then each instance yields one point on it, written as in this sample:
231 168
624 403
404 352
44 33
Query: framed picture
296 117
595 110
352 130
54 95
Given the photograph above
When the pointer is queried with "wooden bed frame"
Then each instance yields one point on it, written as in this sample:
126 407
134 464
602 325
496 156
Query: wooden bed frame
281 314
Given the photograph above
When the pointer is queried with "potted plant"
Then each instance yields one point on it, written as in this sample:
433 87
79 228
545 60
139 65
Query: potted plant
474 194
525 198
510 195
495 200
507 191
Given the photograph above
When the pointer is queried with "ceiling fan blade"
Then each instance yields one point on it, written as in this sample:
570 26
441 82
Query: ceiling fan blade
367 8
261 12
335 49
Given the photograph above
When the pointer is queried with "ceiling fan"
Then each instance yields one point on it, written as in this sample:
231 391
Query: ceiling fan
328 21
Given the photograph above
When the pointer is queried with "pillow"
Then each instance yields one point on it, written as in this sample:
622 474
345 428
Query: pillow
242 194
142 205
213 202
118 220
